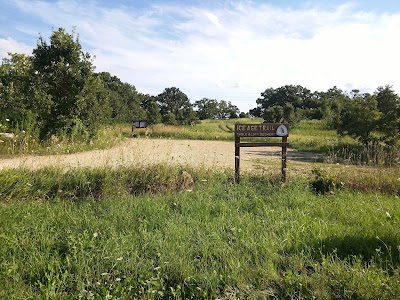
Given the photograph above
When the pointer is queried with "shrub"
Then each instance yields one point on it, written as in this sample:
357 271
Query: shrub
324 183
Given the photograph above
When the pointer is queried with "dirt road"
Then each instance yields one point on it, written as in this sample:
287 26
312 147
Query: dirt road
209 154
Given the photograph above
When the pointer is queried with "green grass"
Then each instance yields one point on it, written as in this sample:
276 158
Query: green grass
314 136
199 236
107 137
307 136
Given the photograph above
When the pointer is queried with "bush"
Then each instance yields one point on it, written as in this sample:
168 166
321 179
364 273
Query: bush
323 183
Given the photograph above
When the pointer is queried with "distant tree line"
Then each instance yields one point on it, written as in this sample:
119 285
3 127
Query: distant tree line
370 118
56 91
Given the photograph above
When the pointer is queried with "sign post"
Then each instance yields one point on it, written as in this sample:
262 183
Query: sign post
261 130
138 124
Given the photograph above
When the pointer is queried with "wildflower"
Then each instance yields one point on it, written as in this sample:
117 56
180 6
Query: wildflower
95 235
8 120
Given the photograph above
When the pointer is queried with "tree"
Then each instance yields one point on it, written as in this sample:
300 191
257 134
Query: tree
243 115
296 95
150 106
207 108
360 119
273 114
333 102
227 110
64 74
15 87
388 104
272 101
174 102
125 101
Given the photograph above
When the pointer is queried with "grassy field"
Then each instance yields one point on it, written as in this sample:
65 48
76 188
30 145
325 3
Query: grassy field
308 135
312 136
164 232
24 144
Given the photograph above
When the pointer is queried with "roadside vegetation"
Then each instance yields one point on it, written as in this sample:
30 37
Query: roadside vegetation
173 232
55 94
162 232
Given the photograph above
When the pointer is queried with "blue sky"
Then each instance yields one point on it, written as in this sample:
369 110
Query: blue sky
226 50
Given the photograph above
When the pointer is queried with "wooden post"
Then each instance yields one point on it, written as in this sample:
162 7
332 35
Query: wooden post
284 155
237 159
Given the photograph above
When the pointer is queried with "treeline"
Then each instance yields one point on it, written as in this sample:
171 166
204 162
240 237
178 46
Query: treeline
55 91
370 118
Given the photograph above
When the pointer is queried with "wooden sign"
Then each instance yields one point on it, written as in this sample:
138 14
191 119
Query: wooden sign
261 130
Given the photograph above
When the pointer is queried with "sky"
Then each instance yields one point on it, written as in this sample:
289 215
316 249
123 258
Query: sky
225 50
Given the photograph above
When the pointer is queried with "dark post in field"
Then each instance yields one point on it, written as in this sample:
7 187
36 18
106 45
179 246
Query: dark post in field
261 130
237 159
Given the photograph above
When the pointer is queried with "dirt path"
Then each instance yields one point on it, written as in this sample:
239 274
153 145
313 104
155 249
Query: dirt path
209 154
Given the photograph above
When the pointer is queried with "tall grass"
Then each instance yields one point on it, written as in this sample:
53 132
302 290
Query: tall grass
24 143
311 135
215 239
371 155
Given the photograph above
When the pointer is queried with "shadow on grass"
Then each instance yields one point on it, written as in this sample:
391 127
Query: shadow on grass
383 251
291 155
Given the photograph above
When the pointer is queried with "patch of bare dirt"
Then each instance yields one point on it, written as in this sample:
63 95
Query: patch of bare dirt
208 154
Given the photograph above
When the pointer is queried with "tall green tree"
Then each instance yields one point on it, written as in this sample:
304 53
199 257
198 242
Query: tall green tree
360 119
150 106
389 105
174 104
333 101
125 101
15 87
206 108
272 102
64 73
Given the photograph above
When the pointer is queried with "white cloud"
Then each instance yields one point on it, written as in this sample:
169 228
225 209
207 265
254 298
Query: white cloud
8 45
233 52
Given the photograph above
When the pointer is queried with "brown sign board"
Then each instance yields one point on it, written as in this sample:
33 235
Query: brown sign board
262 130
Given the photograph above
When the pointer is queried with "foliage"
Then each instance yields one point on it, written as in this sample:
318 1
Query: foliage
324 183
284 104
214 109
63 73
388 103
150 106
360 119
56 85
124 100
206 108
174 104
214 240
371 119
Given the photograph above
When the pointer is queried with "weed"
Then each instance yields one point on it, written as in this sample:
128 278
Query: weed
324 183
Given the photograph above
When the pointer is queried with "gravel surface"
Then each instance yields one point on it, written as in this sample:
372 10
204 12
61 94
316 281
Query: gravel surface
209 154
